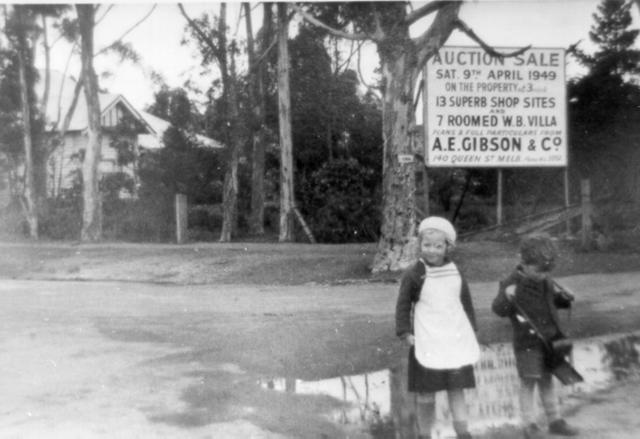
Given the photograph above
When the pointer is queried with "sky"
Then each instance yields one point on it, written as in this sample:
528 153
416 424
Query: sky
514 23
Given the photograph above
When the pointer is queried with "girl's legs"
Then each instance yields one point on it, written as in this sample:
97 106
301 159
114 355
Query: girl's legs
425 413
459 412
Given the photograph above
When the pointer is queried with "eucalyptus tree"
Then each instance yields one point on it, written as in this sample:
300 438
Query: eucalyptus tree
402 58
92 207
23 27
257 96
91 197
28 199
210 34
287 205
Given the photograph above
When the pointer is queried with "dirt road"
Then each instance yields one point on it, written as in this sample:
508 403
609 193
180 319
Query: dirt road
133 360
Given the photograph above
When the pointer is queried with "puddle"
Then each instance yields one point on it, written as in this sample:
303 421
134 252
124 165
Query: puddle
378 402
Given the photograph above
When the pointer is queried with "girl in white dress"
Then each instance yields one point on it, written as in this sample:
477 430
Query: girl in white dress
434 315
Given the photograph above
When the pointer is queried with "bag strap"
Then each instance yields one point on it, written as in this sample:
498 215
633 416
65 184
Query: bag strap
530 322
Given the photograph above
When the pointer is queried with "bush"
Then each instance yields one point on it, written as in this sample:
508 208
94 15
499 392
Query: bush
204 222
134 222
61 217
471 219
61 222
12 223
340 202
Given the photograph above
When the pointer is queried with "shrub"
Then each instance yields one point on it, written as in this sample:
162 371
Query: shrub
341 202
204 221
12 223
471 219
61 217
144 220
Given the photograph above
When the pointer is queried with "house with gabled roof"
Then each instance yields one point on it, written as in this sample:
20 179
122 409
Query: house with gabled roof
115 108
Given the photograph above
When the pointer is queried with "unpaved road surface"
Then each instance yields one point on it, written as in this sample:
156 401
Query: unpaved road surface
138 360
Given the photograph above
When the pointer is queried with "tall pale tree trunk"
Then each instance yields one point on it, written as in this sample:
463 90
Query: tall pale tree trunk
230 188
28 199
258 97
92 205
396 248
47 69
286 140
229 84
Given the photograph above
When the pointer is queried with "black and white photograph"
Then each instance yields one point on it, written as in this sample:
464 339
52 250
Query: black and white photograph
320 220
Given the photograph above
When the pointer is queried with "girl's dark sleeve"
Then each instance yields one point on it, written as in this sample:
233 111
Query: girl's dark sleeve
404 305
467 304
501 305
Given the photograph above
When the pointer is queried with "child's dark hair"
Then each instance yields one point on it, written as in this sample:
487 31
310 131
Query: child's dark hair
539 250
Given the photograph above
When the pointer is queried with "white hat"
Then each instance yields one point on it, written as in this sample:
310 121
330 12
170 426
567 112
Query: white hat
440 224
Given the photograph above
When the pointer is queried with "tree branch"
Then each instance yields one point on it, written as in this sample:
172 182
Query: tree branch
127 32
262 57
423 11
352 51
462 26
379 33
102 17
47 62
201 35
67 118
438 33
336 32
64 75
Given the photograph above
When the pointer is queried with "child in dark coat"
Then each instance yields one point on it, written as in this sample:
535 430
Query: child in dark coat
538 296
434 315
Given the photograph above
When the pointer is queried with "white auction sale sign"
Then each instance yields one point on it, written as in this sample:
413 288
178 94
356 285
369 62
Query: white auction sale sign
486 111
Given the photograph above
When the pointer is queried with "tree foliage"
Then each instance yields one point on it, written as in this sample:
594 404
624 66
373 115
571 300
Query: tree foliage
183 165
10 125
342 199
605 104
606 94
332 121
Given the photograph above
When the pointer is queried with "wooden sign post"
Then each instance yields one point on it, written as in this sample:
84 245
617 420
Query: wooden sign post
499 198
587 225
181 218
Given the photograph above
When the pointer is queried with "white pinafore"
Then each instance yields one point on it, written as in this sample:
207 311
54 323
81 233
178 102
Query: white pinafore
444 338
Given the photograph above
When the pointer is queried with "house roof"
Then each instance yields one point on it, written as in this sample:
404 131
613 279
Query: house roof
159 125
61 95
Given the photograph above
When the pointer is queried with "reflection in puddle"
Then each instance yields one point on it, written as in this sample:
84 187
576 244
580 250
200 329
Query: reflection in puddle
378 401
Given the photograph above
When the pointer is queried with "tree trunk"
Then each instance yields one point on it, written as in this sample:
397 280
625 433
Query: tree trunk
286 141
465 191
402 59
256 216
47 69
230 188
396 247
92 206
28 197
258 97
